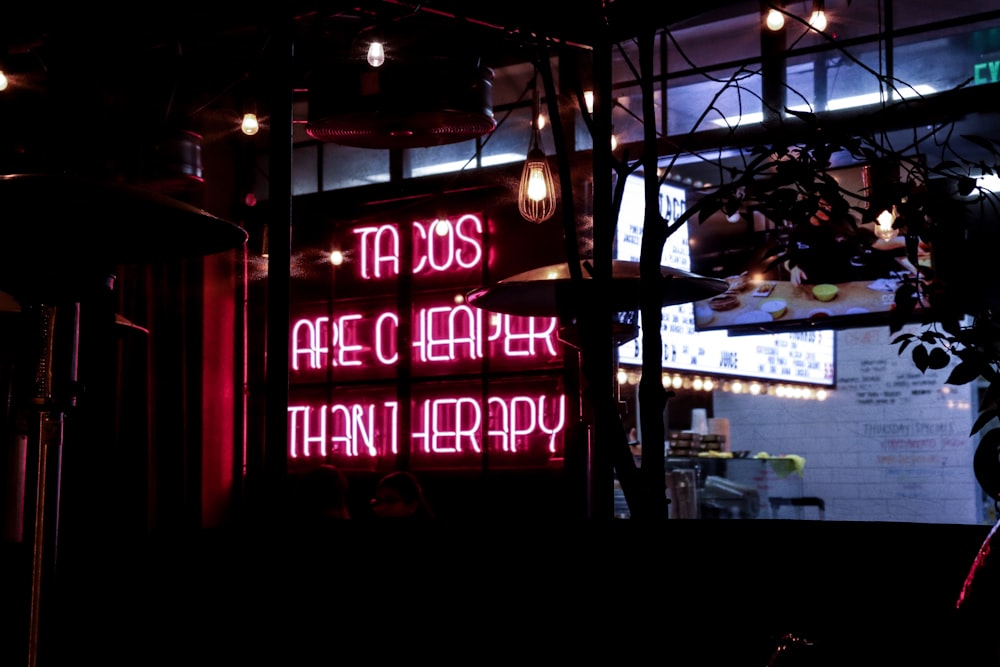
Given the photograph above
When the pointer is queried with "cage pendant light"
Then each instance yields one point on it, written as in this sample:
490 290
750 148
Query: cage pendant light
536 198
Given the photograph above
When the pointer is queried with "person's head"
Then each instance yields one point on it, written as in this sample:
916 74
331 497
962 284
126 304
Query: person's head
323 492
399 495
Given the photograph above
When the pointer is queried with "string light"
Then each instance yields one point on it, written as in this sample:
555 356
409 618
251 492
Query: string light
817 21
775 20
3 80
250 125
376 53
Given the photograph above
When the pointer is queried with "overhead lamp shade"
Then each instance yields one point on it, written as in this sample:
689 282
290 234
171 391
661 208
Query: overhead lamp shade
62 231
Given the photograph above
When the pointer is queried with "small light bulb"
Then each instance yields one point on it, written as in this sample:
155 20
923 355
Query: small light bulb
3 80
536 183
250 125
540 121
442 227
336 257
818 20
614 143
376 54
775 20
588 100
883 228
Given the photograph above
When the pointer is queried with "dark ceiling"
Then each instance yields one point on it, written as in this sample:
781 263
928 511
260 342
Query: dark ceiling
85 78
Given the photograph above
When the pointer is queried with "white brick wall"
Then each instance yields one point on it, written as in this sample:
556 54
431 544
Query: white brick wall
888 444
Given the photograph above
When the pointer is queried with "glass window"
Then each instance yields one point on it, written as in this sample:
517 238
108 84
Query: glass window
348 166
439 159
728 39
909 14
714 100
509 141
948 59
305 177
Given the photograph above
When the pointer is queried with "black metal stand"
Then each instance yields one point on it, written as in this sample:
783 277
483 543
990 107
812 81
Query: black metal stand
53 334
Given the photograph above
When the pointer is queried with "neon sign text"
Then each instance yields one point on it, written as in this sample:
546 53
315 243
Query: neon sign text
438 246
440 334
443 427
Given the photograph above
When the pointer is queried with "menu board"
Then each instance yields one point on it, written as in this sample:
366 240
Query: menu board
805 357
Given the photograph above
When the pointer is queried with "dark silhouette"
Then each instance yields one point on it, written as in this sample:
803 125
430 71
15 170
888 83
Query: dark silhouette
833 248
399 495
318 496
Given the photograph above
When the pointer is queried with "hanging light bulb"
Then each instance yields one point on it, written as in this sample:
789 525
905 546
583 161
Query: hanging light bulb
883 225
250 125
536 196
817 21
376 53
775 20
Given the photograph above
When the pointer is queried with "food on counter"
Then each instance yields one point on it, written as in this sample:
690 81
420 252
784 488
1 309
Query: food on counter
825 291
724 301
774 307
738 283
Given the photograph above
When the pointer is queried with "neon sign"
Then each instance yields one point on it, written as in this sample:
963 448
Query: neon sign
446 428
345 359
441 246
441 334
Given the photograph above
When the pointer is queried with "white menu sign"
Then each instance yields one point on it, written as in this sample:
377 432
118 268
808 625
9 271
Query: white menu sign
805 357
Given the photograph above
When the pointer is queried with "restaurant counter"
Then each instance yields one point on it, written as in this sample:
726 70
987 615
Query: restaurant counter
701 487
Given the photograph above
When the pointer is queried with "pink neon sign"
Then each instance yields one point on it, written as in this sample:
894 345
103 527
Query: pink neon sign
361 339
447 427
439 246
353 336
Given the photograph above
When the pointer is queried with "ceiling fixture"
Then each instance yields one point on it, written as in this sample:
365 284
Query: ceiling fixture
536 199
434 89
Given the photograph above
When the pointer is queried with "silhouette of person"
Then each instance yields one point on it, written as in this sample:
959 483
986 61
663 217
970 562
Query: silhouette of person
319 496
399 495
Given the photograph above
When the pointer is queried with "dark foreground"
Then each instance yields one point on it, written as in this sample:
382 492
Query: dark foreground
681 593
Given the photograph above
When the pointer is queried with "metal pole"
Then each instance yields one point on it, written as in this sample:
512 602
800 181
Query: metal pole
50 401
279 86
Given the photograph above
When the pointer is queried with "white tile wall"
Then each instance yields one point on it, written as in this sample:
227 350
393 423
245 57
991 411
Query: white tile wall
889 443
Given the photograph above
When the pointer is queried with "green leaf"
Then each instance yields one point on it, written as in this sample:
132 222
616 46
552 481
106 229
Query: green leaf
938 359
964 373
984 418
